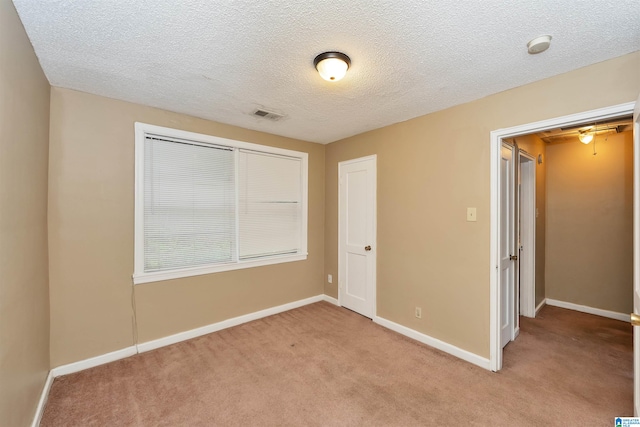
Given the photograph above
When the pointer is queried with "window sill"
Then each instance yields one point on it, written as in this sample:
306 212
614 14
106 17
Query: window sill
158 276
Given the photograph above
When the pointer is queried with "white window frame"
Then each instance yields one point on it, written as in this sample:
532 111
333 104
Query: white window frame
139 275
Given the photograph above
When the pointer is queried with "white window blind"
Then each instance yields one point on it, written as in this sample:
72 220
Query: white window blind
206 204
269 204
189 205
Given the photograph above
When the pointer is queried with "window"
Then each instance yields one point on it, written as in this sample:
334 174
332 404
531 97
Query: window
206 204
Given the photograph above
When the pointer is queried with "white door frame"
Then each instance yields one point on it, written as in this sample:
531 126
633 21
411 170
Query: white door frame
636 256
527 224
374 231
495 355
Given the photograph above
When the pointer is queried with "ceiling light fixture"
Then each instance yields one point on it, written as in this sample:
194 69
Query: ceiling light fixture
539 44
585 137
332 66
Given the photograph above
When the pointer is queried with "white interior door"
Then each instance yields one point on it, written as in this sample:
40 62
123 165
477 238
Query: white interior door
527 234
507 244
635 320
356 235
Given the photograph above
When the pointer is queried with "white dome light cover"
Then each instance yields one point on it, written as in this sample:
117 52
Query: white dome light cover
332 66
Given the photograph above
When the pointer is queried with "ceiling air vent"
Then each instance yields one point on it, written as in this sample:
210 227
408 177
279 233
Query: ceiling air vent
270 115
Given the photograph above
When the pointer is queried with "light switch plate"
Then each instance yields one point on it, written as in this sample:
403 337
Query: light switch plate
471 215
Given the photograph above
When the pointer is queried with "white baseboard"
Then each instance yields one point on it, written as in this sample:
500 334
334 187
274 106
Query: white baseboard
331 300
586 309
182 336
235 321
542 304
43 400
434 342
93 361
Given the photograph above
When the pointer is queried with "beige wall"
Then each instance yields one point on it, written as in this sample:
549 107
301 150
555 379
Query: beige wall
430 169
91 196
590 222
533 145
24 287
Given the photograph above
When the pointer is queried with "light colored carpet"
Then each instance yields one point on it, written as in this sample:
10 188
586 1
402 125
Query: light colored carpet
324 365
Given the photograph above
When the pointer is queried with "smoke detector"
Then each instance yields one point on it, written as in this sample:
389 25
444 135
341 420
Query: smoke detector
539 44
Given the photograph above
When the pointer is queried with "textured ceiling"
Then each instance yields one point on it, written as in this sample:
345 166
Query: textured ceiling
221 60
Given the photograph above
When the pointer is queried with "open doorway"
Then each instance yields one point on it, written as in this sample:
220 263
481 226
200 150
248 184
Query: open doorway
588 208
498 291
573 219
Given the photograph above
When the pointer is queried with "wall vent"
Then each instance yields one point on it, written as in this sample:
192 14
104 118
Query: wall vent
270 115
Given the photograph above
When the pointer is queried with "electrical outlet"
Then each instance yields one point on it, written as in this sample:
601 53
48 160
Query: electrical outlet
329 278
418 312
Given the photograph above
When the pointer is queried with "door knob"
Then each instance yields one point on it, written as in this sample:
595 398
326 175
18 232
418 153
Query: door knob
367 248
513 257
635 319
